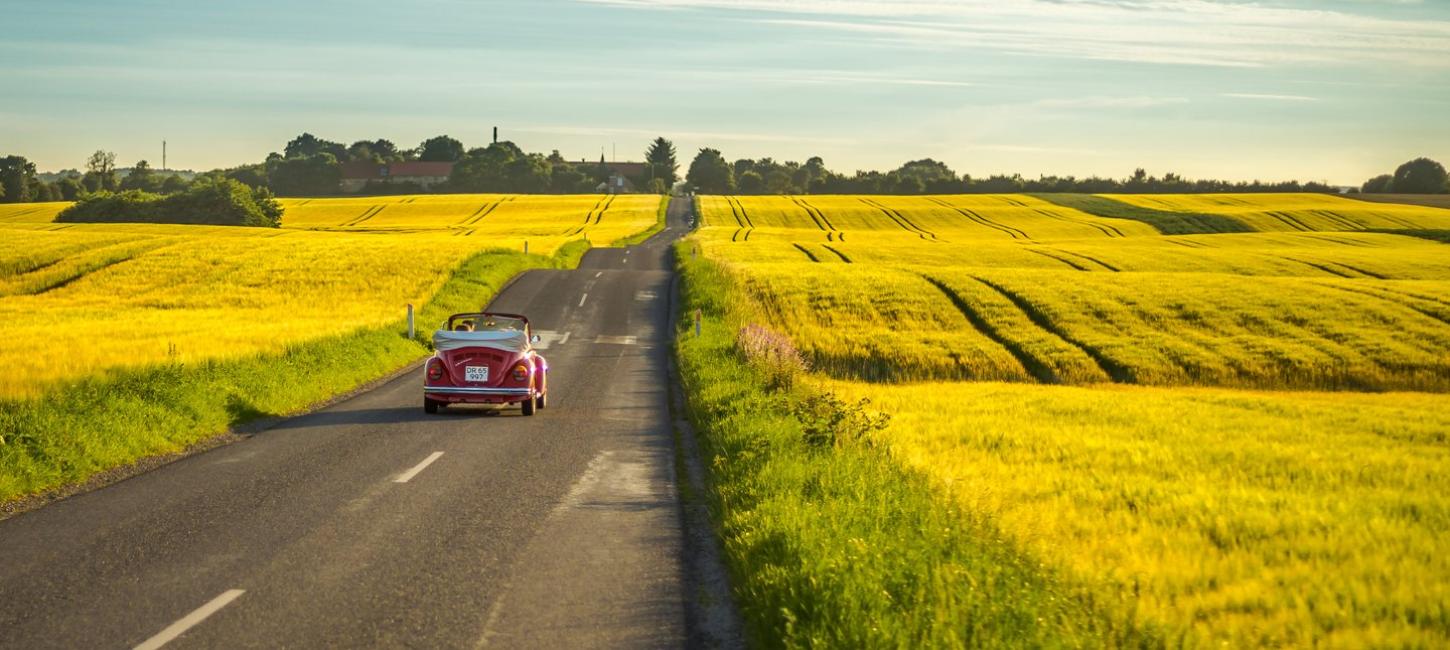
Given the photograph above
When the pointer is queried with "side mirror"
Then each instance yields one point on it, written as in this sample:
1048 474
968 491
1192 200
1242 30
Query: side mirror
534 338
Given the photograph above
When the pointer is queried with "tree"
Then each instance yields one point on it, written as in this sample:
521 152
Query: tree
174 183
101 172
709 173
1382 184
752 182
15 175
306 145
69 188
1421 176
440 149
661 160
141 178
307 176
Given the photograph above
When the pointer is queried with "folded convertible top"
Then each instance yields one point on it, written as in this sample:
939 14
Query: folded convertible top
507 340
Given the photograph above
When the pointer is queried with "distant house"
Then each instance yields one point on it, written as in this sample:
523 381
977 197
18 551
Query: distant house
622 176
356 175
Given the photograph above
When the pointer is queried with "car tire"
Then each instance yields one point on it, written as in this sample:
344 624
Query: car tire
429 406
527 406
542 401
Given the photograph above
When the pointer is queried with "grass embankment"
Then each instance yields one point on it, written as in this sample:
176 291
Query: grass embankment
659 225
840 546
94 424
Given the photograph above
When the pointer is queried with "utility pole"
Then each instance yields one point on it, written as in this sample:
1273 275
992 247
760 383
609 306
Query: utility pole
163 155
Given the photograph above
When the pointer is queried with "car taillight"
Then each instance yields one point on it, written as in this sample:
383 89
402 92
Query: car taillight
435 370
521 372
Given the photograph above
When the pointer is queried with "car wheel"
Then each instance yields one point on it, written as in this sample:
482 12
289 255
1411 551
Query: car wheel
542 401
429 406
528 406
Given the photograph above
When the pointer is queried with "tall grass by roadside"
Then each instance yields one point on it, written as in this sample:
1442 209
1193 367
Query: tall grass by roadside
839 545
97 423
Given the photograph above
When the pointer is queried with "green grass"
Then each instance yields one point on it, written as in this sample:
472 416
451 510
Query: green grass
659 225
845 547
110 420
1168 223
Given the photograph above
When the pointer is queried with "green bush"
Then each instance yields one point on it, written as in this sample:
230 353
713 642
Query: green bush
211 201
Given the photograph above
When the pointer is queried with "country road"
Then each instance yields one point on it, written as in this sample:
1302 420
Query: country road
370 524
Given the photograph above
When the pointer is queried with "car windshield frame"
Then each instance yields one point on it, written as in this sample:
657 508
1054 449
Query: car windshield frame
487 322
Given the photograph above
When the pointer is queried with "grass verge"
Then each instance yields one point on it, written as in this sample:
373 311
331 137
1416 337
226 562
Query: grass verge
659 225
99 423
844 547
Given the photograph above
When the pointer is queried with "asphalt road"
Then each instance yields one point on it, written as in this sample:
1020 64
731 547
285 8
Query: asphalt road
370 524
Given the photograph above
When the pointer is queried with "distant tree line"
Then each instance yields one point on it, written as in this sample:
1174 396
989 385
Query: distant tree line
1419 176
710 173
312 166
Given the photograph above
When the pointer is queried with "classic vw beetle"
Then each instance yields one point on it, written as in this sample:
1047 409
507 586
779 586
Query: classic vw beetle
486 358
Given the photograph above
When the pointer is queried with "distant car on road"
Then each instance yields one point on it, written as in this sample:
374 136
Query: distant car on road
486 358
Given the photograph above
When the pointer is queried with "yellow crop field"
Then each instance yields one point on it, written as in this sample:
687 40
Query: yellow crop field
79 299
1297 212
31 212
1130 408
1251 518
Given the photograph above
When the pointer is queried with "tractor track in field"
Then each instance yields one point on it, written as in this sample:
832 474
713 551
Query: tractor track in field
983 221
1348 272
1114 370
483 211
901 220
838 253
1343 221
817 216
1068 262
1034 366
1396 300
1110 231
807 252
737 209
366 215
1090 259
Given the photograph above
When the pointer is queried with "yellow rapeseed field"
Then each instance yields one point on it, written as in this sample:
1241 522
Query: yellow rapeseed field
1180 476
79 299
1250 518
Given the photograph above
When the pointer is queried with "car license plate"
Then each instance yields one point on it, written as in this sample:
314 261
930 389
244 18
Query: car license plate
475 373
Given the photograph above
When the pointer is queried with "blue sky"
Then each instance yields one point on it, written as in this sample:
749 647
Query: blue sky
1334 90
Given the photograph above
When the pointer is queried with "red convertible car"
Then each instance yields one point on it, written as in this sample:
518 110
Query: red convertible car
486 358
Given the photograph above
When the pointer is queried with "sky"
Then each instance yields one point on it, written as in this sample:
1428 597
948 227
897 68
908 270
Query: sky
1326 90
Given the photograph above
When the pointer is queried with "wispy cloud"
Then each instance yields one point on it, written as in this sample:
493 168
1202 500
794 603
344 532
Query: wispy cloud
1110 102
1192 32
1272 98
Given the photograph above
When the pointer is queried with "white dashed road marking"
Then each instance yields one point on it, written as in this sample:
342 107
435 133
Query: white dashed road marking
408 475
616 340
190 620
582 299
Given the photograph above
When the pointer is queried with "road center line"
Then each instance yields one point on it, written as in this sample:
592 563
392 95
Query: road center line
599 274
582 299
190 620
408 475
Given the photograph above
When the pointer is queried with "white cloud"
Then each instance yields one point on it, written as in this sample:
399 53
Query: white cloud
1110 102
1194 32
1269 97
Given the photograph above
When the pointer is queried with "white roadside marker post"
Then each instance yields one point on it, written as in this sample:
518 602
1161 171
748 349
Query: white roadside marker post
410 320
697 323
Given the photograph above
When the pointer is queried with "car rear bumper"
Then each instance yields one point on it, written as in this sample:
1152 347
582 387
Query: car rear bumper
464 393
